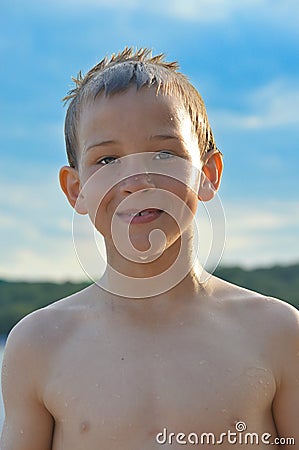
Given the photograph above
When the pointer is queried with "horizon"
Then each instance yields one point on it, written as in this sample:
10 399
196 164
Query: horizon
88 280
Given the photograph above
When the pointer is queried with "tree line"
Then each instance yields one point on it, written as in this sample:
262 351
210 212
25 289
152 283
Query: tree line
19 298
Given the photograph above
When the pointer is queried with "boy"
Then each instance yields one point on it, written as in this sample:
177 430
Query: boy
134 361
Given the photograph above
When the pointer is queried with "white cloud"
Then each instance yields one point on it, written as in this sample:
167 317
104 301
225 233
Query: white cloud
56 261
36 233
224 10
205 11
260 233
270 106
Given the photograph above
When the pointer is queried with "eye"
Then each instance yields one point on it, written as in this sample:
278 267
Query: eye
107 160
164 154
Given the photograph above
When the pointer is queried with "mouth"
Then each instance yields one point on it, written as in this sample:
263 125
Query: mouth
139 217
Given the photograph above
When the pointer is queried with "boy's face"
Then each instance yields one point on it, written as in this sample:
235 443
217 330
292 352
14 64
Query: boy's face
137 151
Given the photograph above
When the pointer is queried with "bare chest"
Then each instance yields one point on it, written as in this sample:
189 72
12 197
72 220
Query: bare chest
111 389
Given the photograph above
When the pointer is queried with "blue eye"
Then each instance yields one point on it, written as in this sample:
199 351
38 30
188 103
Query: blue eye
111 160
164 154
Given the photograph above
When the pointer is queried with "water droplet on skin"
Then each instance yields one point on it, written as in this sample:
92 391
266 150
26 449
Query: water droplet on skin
203 361
261 382
84 426
22 431
97 385
66 404
117 395
158 397
223 410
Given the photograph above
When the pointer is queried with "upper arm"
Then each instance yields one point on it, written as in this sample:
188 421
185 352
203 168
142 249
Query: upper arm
286 401
28 425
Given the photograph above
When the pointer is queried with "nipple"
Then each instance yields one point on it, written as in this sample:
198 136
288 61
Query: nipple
84 426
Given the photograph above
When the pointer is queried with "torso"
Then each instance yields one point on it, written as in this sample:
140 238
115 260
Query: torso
115 380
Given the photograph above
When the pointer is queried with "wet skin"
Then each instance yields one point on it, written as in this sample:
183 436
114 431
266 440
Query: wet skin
110 372
100 371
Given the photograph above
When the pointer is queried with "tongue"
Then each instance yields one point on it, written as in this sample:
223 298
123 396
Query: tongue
150 210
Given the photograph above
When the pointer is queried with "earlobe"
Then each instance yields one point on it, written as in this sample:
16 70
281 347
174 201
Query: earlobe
70 184
210 177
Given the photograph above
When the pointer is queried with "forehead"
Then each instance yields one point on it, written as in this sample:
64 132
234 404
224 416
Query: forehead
133 111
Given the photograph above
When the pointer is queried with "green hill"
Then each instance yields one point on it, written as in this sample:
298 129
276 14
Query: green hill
20 298
277 281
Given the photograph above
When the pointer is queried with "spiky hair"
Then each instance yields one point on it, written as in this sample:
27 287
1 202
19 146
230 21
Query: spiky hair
138 67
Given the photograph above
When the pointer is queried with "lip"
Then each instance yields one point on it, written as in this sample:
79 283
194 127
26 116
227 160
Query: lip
152 214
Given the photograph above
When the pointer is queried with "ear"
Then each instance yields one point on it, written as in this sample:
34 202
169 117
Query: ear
71 186
211 177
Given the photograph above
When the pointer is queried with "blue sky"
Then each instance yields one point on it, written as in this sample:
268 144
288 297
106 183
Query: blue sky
242 56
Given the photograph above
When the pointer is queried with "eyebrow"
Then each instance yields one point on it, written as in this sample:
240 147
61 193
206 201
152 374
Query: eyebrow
101 144
157 137
164 137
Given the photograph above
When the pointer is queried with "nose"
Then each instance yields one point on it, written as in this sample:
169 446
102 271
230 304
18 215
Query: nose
134 183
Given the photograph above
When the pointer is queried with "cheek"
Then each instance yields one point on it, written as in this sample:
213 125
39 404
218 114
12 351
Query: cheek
95 204
182 204
184 193
96 191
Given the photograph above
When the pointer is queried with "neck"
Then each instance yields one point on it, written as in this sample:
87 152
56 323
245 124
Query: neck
174 273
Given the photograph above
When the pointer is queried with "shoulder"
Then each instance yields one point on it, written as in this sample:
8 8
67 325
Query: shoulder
237 298
261 314
275 315
44 328
24 355
270 323
40 331
28 341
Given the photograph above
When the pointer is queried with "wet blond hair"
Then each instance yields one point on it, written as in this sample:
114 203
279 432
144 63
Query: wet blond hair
117 74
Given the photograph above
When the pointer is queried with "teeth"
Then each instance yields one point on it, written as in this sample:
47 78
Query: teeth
141 213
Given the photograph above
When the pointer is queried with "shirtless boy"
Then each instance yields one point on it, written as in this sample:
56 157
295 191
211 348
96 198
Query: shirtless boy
127 364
